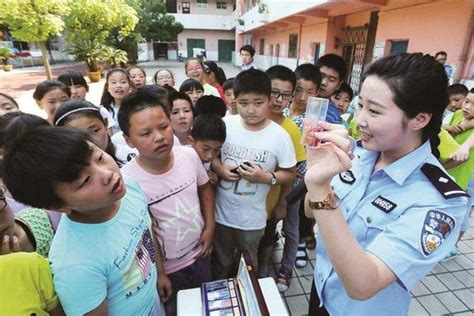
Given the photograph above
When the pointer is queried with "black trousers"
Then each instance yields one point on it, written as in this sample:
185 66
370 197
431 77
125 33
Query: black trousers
306 224
314 309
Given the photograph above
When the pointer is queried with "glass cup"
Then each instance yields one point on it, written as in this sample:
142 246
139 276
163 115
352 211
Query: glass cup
316 110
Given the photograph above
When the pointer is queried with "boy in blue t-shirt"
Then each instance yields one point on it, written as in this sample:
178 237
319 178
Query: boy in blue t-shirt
103 256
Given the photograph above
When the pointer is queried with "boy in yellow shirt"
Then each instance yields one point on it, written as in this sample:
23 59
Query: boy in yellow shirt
26 286
283 82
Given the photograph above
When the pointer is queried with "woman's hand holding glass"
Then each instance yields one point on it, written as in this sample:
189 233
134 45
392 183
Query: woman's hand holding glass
330 154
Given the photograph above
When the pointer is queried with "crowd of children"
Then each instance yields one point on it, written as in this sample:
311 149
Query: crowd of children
158 189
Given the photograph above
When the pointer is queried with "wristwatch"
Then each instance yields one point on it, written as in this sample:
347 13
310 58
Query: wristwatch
329 203
273 181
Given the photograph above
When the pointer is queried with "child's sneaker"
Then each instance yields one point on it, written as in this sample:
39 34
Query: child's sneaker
282 282
301 256
454 253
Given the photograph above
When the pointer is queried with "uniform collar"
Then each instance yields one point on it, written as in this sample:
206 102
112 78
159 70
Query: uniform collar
400 170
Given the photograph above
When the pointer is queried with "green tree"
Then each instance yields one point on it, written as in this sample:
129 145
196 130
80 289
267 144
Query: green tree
155 24
102 22
34 21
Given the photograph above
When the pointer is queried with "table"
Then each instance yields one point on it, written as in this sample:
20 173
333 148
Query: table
190 303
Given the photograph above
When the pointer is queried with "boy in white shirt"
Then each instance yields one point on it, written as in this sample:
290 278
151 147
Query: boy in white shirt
256 154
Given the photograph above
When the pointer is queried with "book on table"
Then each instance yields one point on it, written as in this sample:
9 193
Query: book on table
239 296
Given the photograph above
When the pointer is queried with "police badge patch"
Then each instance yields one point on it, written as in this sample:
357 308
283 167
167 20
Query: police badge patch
347 177
436 228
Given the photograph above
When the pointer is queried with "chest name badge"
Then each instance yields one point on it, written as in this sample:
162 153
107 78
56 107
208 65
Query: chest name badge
384 204
347 177
436 228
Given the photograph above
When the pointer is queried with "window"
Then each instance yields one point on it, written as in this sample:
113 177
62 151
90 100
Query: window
186 8
293 46
221 5
202 4
398 47
261 49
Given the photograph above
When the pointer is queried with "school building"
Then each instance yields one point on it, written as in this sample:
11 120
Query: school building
291 33
209 25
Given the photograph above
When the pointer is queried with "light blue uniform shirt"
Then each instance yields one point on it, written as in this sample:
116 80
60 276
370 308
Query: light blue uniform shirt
399 215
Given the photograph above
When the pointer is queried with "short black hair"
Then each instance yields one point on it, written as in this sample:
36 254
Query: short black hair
48 85
209 127
137 101
15 124
228 84
219 74
252 81
73 78
457 88
282 73
441 53
248 48
209 104
42 158
179 96
344 87
309 72
335 62
190 85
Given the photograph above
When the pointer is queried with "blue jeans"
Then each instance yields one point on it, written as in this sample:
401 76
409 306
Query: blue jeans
291 229
186 278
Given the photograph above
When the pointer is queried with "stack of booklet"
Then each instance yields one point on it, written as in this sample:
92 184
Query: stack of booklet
238 296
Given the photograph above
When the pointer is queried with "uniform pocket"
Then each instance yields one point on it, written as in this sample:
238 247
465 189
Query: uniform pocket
374 220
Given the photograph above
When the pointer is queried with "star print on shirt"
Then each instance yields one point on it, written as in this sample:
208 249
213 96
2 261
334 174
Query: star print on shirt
182 212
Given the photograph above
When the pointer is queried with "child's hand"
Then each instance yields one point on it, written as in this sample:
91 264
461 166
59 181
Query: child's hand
213 177
226 174
165 290
207 237
253 173
466 124
454 129
461 154
8 247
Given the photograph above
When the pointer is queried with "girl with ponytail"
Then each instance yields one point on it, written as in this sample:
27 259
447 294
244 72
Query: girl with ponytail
387 211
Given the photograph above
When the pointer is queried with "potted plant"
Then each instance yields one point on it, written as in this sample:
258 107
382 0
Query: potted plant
5 55
116 58
91 54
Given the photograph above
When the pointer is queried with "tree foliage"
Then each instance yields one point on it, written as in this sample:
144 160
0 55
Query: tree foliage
155 24
33 20
97 20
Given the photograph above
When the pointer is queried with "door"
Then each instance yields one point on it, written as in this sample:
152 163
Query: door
195 43
277 53
160 50
317 50
225 49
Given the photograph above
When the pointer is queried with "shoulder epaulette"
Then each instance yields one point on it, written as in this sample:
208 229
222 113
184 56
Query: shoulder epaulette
442 182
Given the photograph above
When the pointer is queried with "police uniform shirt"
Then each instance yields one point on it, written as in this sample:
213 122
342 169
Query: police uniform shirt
408 214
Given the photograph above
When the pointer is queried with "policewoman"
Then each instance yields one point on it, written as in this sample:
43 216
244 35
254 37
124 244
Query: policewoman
387 213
